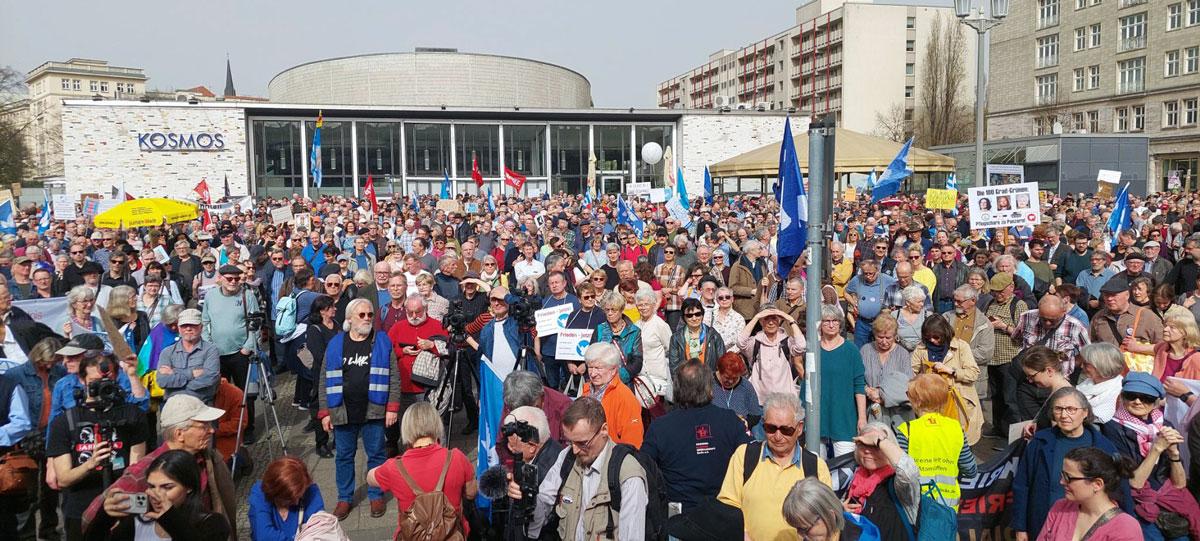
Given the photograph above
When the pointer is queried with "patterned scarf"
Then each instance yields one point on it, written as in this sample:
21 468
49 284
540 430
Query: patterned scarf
1146 432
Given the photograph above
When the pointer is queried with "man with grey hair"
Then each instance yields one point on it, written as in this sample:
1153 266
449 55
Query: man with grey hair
621 408
971 325
445 283
525 433
904 279
684 255
524 388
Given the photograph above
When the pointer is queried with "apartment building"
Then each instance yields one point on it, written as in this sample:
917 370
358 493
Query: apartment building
839 52
1103 66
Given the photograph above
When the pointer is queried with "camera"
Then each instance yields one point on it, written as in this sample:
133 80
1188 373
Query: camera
522 430
456 322
255 321
523 308
525 475
105 392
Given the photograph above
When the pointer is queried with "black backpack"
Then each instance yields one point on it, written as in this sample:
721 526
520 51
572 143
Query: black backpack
656 493
808 461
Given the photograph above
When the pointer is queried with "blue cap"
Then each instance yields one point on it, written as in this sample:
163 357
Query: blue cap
1142 383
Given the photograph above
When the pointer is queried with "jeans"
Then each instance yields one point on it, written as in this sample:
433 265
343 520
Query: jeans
345 438
862 333
555 371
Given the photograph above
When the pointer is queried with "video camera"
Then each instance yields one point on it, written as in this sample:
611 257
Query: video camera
522 309
104 394
456 323
524 474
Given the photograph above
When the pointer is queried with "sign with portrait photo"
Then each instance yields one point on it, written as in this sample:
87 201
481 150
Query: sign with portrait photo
1004 173
1004 206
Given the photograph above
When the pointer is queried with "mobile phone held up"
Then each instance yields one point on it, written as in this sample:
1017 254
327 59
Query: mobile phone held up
138 503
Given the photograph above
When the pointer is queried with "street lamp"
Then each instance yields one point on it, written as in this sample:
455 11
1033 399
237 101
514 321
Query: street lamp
972 15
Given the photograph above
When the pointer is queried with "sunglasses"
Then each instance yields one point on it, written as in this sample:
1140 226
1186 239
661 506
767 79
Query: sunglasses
73 252
1143 398
600 279
788 431
694 314
208 263
724 297
587 297
672 252
366 315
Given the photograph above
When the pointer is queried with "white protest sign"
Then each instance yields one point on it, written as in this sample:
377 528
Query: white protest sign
552 320
1109 176
63 207
638 188
105 205
1004 205
52 312
281 215
572 343
160 254
1178 413
658 195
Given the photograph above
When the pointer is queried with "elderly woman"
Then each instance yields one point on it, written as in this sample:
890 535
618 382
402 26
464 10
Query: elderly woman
152 300
725 320
81 301
1036 486
620 330
815 512
613 251
732 392
490 273
885 484
1177 355
694 339
843 384
774 359
437 305
887 371
656 340
622 411
283 501
596 256
943 354
750 279
1102 367
910 317
1138 431
599 280
936 442
427 464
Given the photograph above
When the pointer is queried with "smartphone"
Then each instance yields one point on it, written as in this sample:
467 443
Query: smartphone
138 503
991 318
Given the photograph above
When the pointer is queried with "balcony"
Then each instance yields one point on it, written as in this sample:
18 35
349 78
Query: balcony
1129 87
1129 44
1128 3
1046 99
1047 61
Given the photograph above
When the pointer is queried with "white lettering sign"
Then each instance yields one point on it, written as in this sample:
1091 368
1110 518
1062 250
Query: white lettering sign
552 320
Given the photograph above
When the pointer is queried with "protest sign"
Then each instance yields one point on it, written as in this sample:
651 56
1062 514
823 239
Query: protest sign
637 189
940 199
1106 182
1173 180
160 254
1003 173
552 320
52 312
281 215
572 343
5 195
1004 205
62 207
450 205
658 195
850 195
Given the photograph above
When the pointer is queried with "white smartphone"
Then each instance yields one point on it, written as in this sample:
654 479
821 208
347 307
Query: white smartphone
138 503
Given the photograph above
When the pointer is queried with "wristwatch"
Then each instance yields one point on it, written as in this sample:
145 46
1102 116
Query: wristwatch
1185 396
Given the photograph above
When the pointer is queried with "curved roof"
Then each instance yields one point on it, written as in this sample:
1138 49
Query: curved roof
854 153
446 52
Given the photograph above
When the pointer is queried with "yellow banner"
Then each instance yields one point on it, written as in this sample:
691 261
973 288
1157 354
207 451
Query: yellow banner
940 199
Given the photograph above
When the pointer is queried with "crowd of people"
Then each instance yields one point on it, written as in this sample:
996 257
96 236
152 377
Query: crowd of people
685 413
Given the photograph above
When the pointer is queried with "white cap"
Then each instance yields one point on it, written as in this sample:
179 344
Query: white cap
185 407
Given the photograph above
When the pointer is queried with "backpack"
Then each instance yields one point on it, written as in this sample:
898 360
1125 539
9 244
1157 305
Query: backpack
432 517
285 316
784 346
808 461
656 493
936 521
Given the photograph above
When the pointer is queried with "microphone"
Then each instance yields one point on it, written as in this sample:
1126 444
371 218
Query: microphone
493 483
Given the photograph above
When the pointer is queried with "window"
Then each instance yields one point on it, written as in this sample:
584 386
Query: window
908 91
1093 77
1080 4
911 22
1093 118
76 85
1080 38
1078 80
93 86
1174 16
1047 88
1122 119
910 69
910 45
1171 68
1132 75
1133 32
1095 34
1047 51
1139 117
1127 3
1048 13
1077 122
1191 57
1189 111
1171 114
66 84
1193 12
104 86
1039 126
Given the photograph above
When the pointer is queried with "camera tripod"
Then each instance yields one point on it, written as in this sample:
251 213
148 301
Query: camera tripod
256 381
443 396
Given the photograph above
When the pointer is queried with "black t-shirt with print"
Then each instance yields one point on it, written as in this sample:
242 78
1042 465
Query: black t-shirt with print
356 371
130 430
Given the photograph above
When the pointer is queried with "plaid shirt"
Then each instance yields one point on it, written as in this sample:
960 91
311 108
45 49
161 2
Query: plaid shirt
1006 347
1070 337
671 279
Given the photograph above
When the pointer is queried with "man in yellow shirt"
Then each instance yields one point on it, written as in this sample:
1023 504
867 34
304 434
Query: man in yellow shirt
841 268
776 464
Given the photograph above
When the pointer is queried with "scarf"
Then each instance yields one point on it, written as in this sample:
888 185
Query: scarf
864 482
1146 432
490 278
756 267
937 354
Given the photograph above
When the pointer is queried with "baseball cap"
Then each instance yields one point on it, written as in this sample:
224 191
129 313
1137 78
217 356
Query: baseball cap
191 316
97 235
1142 383
1134 254
21 260
185 407
1000 281
1151 244
208 257
81 343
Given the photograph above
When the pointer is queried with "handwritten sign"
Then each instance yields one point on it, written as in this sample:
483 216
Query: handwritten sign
281 215
850 195
572 343
552 320
940 199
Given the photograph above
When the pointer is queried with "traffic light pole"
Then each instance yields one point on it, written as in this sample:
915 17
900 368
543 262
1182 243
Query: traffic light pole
820 180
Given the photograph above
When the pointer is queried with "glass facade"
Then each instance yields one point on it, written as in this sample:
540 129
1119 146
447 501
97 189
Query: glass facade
480 142
569 158
427 154
337 177
277 155
379 155
613 153
646 172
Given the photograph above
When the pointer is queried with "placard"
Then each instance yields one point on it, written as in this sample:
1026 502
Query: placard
1109 176
941 199
304 220
105 205
1004 205
572 343
62 207
1173 180
281 215
552 320
850 195
450 205
1003 173
658 195
53 312
637 189
160 254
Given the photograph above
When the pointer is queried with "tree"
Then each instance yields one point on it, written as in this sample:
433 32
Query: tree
14 156
943 116
894 123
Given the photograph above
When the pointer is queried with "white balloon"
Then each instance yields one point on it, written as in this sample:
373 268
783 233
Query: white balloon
651 153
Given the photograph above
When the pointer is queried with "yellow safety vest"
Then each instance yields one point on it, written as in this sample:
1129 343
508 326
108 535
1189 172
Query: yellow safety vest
934 443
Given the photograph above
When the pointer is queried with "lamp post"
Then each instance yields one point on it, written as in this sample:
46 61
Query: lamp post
972 15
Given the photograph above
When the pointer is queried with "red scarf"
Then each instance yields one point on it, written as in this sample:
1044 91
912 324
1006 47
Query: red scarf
864 482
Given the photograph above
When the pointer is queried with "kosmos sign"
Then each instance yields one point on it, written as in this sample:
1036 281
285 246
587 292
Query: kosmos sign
171 141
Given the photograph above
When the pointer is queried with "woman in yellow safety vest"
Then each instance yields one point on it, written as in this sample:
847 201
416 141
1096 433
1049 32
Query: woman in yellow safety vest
934 441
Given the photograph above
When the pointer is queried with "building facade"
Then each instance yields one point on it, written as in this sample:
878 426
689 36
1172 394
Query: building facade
1103 66
839 52
166 148
432 77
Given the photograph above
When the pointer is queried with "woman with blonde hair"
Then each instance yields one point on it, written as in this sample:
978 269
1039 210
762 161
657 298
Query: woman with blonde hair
1177 356
437 305
936 442
951 358
133 324
81 301
887 371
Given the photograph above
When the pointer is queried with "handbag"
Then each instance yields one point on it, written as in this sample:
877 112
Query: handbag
18 473
1134 362
653 405
428 369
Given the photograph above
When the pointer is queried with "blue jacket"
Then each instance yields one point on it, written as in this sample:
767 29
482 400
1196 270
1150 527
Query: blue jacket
26 376
265 524
63 396
312 255
1033 483
487 337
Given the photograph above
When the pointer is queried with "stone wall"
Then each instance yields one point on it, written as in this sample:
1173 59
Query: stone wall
708 139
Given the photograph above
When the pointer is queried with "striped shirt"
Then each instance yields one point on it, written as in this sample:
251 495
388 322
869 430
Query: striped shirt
1069 337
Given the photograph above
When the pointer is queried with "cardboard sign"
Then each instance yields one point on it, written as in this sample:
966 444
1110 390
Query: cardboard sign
1106 182
450 205
658 195
552 320
941 199
282 215
62 207
850 195
1004 206
637 189
1002 173
5 195
572 343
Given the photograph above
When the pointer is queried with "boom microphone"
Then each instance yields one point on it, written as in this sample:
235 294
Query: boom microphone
493 483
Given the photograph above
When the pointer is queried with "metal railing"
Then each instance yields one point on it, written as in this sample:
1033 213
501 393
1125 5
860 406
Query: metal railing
1129 44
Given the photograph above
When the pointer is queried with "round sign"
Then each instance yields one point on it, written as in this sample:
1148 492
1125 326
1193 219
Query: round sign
651 153
1031 217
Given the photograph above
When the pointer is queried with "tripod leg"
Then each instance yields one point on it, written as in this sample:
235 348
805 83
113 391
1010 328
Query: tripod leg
452 381
271 405
241 421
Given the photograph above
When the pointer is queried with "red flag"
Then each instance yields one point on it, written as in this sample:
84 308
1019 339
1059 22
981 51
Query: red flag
514 179
202 191
475 174
369 193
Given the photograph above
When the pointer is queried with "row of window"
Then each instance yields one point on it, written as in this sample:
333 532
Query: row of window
1131 75
1131 118
1190 62
1179 14
1178 113
1080 4
76 85
1175 15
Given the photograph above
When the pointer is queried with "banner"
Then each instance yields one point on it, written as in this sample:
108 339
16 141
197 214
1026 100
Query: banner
1004 205
63 207
281 215
53 312
850 195
941 199
572 343
552 320
1002 173
637 189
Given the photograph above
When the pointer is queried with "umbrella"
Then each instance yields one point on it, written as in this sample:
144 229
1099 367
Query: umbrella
147 212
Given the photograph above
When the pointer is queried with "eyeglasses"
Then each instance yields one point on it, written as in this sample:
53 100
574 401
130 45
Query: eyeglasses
1143 398
598 279
724 297
1069 410
671 252
585 444
118 262
1066 478
693 314
787 430
208 263
1030 377
333 284
232 278
489 264
496 301
587 297
365 315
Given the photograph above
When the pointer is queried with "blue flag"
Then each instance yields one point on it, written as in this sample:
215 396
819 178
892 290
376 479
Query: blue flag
793 205
889 181
445 184
1120 218
44 219
415 205
587 198
491 204
677 202
625 215
494 367
314 157
952 184
708 188
8 223
871 181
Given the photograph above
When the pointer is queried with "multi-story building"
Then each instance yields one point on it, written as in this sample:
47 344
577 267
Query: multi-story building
1103 66
52 82
839 52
